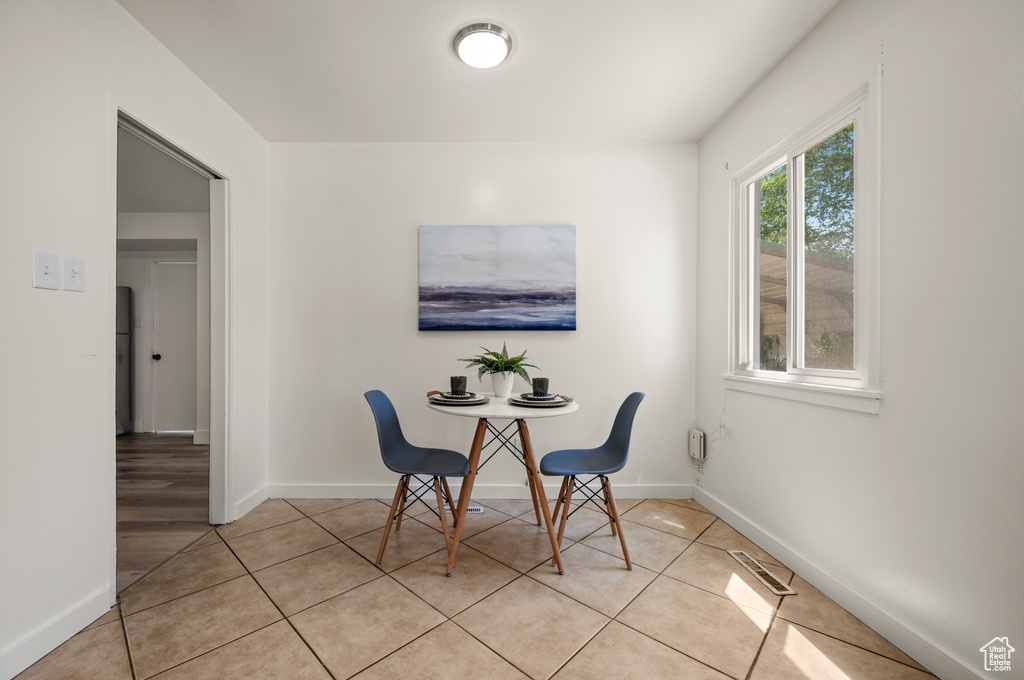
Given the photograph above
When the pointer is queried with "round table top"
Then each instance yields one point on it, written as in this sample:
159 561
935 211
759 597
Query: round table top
498 407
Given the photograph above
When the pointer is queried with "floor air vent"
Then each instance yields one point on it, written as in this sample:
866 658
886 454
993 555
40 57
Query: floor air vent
763 575
471 510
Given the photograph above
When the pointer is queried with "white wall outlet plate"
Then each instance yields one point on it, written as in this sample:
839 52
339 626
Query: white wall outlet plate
73 270
45 270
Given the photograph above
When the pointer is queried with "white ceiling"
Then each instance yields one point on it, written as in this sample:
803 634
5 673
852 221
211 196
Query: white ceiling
384 70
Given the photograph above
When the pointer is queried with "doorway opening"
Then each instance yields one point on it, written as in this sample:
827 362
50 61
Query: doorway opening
171 408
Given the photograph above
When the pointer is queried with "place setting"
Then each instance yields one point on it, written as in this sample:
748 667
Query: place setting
540 397
457 394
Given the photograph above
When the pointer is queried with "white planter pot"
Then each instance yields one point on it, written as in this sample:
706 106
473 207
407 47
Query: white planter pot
501 384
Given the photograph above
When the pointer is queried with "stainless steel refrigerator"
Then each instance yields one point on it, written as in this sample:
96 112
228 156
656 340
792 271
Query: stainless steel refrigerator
125 363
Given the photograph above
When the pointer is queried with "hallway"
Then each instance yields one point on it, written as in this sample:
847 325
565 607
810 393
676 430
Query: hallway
162 500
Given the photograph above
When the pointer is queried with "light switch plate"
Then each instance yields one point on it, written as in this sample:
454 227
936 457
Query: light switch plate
73 273
45 270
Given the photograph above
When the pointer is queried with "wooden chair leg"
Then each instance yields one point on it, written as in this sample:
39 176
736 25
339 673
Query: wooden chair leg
559 497
401 507
615 516
399 494
607 507
565 509
440 510
564 496
448 495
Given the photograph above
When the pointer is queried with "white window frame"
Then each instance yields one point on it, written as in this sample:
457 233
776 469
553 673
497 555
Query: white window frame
858 389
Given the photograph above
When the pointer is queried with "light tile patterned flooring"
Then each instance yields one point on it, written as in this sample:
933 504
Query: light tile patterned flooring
290 591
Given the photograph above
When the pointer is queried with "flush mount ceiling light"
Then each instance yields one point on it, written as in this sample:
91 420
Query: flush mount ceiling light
482 45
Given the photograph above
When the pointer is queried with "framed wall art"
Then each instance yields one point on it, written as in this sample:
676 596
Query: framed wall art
497 278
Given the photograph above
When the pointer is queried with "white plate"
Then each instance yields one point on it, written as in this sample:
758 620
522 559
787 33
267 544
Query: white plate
539 403
444 401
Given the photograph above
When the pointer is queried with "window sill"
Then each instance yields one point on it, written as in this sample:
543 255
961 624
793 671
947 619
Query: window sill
863 401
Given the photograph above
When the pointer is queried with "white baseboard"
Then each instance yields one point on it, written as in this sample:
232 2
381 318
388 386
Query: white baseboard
932 655
249 502
490 491
37 643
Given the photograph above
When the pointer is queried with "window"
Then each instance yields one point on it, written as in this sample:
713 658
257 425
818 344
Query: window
805 253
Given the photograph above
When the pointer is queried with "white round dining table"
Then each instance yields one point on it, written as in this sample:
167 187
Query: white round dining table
499 408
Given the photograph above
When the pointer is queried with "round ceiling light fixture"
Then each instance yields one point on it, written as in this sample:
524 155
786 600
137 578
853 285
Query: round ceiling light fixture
482 45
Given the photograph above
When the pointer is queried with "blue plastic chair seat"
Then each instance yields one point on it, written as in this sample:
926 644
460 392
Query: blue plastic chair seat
404 458
417 460
605 459
599 461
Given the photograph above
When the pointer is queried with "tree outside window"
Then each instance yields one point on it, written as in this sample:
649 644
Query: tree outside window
824 206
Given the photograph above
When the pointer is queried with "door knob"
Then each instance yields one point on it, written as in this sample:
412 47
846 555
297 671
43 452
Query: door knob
156 357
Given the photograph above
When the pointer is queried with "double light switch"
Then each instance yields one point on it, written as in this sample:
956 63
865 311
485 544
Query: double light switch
47 269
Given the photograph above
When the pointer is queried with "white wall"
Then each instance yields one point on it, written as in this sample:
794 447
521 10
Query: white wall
67 67
912 518
344 279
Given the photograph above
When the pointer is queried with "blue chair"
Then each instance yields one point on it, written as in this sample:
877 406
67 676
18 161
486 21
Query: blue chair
600 462
411 462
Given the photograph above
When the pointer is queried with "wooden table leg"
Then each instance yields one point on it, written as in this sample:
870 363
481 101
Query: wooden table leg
466 491
533 482
524 437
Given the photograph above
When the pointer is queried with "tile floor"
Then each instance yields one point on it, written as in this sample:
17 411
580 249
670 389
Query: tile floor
290 591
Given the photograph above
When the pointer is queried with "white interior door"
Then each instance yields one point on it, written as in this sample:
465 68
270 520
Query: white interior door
174 346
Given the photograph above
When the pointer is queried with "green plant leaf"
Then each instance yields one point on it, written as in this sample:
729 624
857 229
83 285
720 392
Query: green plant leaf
492 361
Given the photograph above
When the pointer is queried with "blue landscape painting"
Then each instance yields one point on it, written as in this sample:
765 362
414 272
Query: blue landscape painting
498 278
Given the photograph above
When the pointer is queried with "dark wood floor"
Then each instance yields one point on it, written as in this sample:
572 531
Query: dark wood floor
162 500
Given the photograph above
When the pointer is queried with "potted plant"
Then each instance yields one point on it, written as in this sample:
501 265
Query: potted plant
502 367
